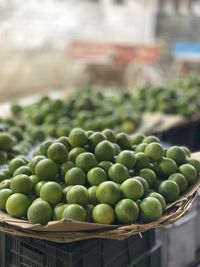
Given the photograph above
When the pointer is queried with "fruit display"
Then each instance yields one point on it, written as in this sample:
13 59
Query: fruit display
16 139
88 109
99 177
177 98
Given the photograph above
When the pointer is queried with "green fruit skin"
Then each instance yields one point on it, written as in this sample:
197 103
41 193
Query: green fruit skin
40 212
172 188
127 211
153 214
106 195
189 172
180 180
132 189
4 195
15 207
21 184
74 212
160 198
118 173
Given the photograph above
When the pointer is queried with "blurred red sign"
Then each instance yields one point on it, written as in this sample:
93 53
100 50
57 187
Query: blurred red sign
116 52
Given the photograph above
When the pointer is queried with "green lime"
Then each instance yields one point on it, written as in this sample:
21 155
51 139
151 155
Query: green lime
22 170
46 169
17 205
40 212
150 139
149 175
58 153
127 211
154 151
180 180
58 211
105 150
74 212
51 192
126 158
160 198
75 176
21 184
132 189
96 176
86 161
110 135
118 173
166 167
142 161
123 140
150 209
103 214
189 172
108 192
6 141
4 195
78 138
177 154
169 190
78 194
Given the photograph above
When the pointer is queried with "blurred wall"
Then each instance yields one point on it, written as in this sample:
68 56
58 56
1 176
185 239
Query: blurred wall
35 35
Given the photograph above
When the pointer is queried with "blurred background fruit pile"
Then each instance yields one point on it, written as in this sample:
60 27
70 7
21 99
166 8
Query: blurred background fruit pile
89 109
180 97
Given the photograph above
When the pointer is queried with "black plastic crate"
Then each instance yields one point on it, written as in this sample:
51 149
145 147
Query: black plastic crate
28 252
183 135
151 258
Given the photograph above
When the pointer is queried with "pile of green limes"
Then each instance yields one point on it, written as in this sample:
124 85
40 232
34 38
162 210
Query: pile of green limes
88 109
179 97
99 177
